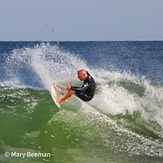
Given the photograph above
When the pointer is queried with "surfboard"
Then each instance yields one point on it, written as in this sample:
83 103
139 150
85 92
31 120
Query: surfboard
54 94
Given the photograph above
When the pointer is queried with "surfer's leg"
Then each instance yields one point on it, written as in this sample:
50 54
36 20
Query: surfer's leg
68 95
83 96
59 91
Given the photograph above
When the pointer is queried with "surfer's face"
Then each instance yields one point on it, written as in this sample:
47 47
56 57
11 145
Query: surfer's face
82 75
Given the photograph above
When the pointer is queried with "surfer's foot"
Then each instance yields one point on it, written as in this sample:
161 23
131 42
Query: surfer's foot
57 89
58 100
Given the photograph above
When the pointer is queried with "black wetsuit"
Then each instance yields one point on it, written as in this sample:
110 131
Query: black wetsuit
87 90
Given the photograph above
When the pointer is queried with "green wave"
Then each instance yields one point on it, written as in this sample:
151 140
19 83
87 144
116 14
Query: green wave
79 132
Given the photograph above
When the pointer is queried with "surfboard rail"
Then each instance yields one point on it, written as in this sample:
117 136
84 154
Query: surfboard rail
54 94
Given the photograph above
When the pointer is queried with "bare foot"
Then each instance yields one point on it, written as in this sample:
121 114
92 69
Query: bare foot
58 100
57 89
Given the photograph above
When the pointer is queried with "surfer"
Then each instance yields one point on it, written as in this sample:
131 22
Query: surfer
85 92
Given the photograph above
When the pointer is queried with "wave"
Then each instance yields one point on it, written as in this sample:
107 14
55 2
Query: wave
45 65
130 106
131 133
42 65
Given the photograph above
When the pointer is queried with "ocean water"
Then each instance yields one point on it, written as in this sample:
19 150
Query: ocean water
122 124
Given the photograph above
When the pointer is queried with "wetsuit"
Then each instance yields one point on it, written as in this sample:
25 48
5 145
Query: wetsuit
87 90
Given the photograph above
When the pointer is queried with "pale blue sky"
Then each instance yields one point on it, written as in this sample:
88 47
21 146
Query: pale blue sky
81 20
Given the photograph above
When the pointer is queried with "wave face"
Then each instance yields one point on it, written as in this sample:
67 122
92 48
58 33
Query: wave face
123 122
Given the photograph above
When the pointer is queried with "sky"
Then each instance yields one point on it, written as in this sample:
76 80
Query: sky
81 20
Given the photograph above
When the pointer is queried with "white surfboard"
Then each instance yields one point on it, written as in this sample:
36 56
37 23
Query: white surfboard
54 94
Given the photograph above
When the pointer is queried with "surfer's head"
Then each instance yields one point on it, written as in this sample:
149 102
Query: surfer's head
82 74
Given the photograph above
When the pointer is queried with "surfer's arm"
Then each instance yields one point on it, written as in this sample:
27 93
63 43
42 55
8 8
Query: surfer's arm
82 89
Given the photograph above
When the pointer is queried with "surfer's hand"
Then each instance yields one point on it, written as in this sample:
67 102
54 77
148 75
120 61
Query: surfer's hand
68 86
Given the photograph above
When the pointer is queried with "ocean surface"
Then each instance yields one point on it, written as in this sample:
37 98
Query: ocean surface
123 123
